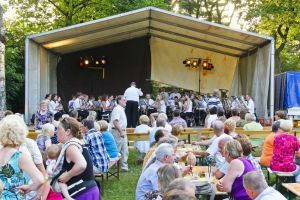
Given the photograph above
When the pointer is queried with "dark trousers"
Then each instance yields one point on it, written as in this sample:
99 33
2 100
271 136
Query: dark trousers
132 112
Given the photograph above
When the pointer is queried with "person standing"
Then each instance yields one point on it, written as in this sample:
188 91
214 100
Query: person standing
131 95
250 104
118 122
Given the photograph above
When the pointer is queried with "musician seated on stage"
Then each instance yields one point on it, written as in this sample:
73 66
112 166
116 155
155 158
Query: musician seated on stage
200 110
187 108
146 105
177 119
160 106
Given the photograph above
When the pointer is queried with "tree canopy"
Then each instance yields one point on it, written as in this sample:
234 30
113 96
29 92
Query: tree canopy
277 18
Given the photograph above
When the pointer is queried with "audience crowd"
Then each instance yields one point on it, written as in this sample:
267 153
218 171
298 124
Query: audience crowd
71 148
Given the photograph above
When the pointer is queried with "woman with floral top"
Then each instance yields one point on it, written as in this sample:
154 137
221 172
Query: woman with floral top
285 147
42 116
13 163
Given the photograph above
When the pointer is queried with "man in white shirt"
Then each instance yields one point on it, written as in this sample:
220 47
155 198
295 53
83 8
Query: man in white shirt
77 102
213 149
250 104
257 188
118 122
132 95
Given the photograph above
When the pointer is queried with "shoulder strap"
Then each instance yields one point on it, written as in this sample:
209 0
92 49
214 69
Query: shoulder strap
61 156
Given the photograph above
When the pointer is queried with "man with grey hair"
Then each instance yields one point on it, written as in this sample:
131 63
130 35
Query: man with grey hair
252 125
148 180
160 124
212 151
257 188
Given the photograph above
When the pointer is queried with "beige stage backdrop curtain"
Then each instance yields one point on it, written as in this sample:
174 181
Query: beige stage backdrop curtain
167 67
252 77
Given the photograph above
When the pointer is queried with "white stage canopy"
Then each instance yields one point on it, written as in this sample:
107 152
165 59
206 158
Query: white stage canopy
244 61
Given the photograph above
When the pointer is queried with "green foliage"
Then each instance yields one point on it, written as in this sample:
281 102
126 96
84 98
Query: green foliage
281 20
35 16
211 10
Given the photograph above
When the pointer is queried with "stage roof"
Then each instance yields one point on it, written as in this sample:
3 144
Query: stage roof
152 22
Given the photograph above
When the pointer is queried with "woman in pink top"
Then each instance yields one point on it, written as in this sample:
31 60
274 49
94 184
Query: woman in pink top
285 147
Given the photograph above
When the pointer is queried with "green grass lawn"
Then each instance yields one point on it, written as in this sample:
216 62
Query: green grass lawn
125 187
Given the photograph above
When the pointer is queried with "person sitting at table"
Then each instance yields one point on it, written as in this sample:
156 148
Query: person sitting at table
142 147
285 147
235 115
148 180
177 119
183 185
165 117
252 125
159 135
247 149
280 115
242 121
258 189
221 115
166 174
212 116
212 151
221 167
170 139
268 146
232 182
229 127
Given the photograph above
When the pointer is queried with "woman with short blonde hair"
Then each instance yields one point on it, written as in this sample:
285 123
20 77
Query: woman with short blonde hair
12 135
232 182
109 141
229 127
142 147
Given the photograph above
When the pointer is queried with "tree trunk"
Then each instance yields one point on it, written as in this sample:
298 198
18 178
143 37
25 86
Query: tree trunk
2 67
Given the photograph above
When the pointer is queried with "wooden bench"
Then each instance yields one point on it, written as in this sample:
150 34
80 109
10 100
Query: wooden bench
255 134
187 135
280 176
130 130
138 137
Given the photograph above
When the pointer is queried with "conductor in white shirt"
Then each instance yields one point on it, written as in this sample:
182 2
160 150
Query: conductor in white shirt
132 95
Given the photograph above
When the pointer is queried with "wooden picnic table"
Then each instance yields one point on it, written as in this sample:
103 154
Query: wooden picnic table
293 187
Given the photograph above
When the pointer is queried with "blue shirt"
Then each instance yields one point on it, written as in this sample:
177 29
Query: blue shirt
97 150
148 180
110 144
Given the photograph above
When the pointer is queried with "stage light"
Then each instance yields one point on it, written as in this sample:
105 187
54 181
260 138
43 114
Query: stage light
81 63
86 61
103 60
205 63
188 62
96 62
